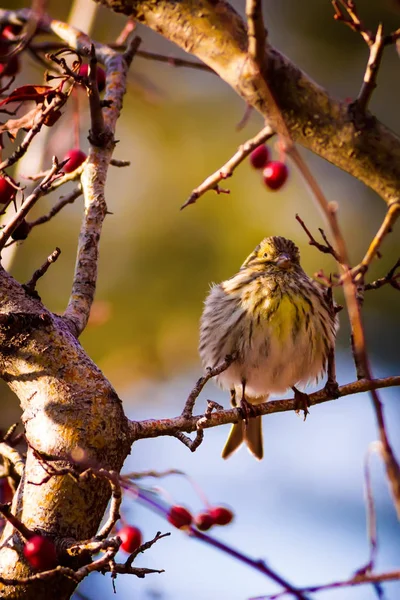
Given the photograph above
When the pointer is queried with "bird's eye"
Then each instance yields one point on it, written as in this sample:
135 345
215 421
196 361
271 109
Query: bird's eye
265 255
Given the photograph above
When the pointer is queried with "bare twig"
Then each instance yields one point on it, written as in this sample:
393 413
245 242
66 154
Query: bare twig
371 72
31 285
255 31
259 565
370 512
326 248
211 183
144 547
391 216
351 19
353 581
28 204
114 162
64 200
357 330
93 177
5 510
158 427
392 278
211 372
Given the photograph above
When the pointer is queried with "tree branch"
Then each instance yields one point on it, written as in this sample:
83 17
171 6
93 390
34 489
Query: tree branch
216 34
157 427
211 183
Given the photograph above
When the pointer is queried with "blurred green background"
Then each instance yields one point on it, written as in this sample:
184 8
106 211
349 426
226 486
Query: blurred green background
177 127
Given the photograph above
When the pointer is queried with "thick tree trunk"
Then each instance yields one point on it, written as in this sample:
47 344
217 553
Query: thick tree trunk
70 411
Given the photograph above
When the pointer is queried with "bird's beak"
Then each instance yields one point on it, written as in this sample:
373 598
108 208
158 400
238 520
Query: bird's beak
283 261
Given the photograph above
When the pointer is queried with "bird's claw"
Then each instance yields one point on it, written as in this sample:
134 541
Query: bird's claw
301 402
332 388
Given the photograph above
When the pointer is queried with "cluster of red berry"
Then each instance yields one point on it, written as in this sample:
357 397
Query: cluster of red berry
181 518
275 172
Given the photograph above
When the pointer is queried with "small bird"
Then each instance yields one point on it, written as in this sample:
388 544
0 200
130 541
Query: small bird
277 323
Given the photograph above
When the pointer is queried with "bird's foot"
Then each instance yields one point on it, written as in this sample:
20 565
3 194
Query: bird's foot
301 402
247 410
332 388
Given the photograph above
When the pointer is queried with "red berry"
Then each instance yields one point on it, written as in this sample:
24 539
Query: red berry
221 515
204 521
21 231
179 517
75 158
131 538
259 157
7 191
10 31
40 553
275 174
100 76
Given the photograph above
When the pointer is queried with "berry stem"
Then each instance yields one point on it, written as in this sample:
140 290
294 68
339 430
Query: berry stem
144 497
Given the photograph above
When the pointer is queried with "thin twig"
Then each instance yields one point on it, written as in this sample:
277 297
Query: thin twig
366 579
5 510
94 177
370 512
351 18
31 285
145 546
28 204
211 183
371 72
64 200
392 278
326 248
211 372
391 216
259 565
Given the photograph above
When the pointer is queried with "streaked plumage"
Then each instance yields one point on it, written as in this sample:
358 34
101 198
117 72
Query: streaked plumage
279 323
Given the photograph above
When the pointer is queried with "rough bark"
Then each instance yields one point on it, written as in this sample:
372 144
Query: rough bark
216 34
69 409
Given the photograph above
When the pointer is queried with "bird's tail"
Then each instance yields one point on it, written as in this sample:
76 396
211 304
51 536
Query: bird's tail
250 433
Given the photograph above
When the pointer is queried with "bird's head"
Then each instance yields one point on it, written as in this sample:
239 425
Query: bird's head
274 252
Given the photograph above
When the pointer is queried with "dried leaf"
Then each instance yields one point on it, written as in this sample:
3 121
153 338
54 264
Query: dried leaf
37 93
27 121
